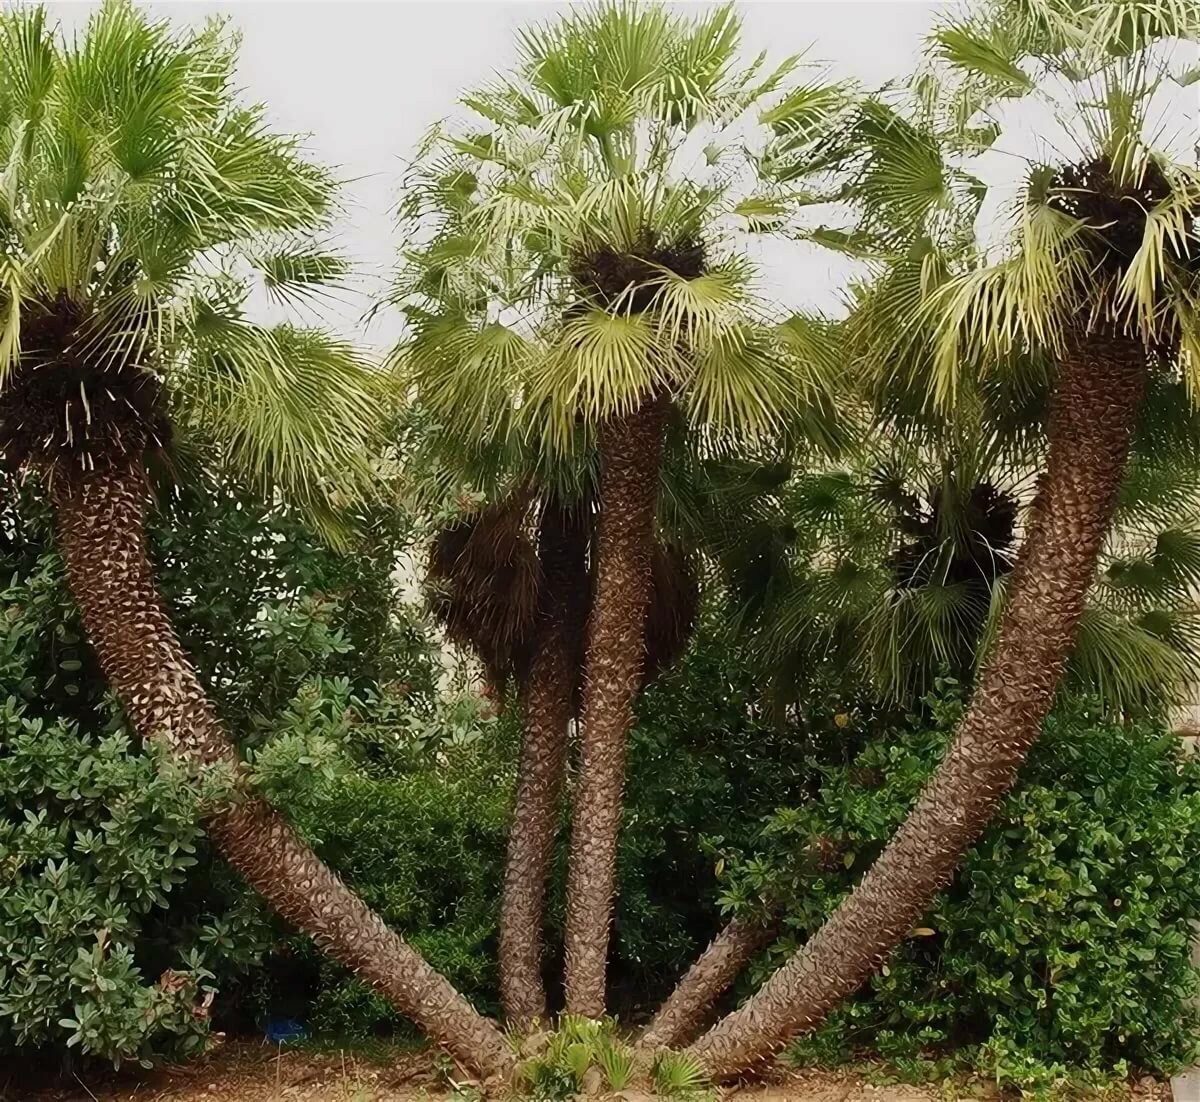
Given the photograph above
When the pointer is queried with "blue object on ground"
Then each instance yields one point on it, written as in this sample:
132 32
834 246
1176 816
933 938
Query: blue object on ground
284 1029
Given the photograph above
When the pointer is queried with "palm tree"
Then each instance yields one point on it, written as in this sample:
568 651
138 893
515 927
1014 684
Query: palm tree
513 582
891 571
1098 280
597 190
141 204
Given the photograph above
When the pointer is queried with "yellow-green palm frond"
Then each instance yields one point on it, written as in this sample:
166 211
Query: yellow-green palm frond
697 312
743 383
466 372
295 410
296 272
988 313
598 366
1124 27
1156 293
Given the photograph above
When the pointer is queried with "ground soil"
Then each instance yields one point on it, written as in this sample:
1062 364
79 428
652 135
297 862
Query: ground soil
260 1072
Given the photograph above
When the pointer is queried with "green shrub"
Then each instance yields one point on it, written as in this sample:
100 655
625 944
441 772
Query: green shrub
706 764
425 848
94 836
1064 944
117 926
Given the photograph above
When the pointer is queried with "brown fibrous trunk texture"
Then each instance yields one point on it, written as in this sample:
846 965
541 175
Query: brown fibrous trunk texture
548 696
1093 413
680 1017
631 457
101 530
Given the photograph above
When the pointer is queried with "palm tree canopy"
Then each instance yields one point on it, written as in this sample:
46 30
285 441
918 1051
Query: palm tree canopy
892 568
142 204
954 336
1103 238
573 245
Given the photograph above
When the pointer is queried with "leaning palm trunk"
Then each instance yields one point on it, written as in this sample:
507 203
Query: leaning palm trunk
101 531
679 1018
548 697
1099 387
631 455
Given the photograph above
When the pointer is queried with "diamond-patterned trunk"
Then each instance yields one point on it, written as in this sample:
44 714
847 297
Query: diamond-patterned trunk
101 518
631 457
548 697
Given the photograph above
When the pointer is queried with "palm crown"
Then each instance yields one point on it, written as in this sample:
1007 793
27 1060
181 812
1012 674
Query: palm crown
1104 239
893 567
572 245
140 207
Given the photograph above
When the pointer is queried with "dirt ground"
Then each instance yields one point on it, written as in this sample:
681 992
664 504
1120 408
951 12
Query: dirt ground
250 1072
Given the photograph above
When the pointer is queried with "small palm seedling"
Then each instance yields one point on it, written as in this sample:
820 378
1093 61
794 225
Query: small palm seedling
617 1061
682 1078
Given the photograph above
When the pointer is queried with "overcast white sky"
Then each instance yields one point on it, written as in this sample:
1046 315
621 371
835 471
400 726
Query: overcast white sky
365 80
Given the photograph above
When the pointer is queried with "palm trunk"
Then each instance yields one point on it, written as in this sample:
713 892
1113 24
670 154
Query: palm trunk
678 1019
101 518
548 697
1092 417
631 455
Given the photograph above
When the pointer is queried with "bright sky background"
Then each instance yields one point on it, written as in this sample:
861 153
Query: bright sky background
365 80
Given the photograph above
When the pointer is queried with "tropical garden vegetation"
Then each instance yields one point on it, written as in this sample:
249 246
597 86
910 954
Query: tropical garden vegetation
847 647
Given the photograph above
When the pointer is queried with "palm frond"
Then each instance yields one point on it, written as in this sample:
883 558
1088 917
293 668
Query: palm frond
1126 666
292 409
139 194
994 310
466 374
602 365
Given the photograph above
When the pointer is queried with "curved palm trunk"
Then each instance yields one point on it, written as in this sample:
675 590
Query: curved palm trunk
1092 417
548 697
679 1018
101 516
631 455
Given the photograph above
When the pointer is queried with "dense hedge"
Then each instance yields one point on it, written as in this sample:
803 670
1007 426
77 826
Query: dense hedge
1063 946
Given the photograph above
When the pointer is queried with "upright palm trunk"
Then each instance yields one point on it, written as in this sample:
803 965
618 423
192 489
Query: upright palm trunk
631 455
101 517
1095 406
548 697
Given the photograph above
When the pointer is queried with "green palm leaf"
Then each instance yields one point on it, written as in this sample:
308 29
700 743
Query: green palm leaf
140 197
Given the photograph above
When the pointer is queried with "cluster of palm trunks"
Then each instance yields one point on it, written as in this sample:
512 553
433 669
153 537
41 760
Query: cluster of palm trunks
576 603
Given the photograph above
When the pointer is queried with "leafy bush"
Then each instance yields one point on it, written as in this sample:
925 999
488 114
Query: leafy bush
706 764
1062 946
93 836
107 878
425 848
